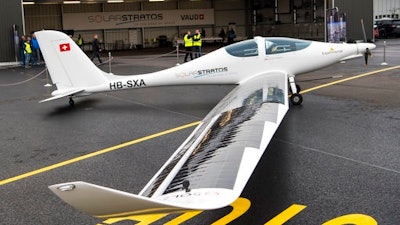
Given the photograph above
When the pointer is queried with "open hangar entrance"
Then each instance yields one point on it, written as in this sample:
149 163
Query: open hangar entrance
292 18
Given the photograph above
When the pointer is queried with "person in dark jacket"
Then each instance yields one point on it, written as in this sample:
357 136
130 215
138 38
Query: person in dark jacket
231 36
22 49
366 55
96 48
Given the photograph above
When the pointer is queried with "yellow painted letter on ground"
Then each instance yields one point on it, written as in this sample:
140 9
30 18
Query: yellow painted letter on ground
356 219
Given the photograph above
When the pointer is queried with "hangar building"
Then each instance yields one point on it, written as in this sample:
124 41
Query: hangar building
125 24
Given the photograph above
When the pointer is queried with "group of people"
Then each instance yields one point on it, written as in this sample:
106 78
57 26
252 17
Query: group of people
230 35
193 43
29 50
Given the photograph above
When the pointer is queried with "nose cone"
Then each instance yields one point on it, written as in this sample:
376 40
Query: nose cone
363 46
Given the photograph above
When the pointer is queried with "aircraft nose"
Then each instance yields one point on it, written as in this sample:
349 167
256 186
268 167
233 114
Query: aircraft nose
363 46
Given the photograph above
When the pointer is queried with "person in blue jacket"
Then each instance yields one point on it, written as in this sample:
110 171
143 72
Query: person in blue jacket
35 50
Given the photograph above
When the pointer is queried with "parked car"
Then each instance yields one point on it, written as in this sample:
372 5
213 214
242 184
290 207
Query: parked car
376 32
388 28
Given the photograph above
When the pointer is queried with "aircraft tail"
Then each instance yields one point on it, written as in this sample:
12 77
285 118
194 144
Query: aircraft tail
69 67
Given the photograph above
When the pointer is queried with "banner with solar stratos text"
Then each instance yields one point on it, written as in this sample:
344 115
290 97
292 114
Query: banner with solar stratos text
137 19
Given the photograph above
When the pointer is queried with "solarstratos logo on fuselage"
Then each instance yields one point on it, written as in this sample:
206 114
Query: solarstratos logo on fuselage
203 73
332 51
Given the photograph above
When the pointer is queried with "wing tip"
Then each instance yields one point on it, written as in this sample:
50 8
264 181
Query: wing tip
103 202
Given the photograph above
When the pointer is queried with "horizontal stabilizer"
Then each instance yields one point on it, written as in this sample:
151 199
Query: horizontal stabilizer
65 94
103 202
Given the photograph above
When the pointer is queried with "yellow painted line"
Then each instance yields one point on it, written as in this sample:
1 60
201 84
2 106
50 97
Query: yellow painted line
239 207
356 219
183 218
286 215
350 78
103 151
143 219
146 220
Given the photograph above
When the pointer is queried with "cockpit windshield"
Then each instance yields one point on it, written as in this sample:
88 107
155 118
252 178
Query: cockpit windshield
249 48
281 45
243 49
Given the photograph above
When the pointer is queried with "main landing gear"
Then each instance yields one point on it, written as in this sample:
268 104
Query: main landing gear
296 98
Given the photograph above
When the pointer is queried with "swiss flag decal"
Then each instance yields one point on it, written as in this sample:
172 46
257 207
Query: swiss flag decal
65 47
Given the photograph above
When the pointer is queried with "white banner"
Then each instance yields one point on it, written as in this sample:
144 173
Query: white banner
137 19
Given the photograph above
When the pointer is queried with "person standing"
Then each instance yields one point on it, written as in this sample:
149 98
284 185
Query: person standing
35 50
27 51
197 42
79 42
188 41
231 36
367 54
96 48
222 34
22 49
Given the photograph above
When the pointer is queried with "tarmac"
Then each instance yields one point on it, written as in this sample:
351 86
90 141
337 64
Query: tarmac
334 160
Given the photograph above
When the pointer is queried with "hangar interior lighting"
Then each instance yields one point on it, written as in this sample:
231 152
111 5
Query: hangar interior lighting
72 2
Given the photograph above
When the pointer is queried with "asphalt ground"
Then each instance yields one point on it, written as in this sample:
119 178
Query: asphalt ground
334 160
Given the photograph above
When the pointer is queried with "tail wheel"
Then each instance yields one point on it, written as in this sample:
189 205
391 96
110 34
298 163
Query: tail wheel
296 99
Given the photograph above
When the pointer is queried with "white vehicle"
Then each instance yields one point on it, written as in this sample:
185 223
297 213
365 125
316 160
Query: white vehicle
211 168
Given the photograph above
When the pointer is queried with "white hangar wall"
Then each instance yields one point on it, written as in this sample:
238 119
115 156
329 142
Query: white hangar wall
387 9
50 16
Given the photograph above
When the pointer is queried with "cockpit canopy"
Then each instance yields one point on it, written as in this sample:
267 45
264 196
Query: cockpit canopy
246 48
280 45
273 45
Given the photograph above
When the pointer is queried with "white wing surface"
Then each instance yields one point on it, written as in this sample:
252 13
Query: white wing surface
211 168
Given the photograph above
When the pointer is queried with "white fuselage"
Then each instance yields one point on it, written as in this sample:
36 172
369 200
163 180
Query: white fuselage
219 67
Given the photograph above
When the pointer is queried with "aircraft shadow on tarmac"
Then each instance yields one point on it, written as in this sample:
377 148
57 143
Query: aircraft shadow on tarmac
67 109
190 109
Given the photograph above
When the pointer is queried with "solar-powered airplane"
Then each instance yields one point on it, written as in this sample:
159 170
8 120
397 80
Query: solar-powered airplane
212 166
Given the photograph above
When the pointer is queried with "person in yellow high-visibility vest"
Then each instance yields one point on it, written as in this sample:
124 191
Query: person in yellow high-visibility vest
79 41
188 41
27 51
197 42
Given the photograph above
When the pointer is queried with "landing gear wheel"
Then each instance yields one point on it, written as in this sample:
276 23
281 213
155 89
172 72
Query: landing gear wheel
296 99
71 102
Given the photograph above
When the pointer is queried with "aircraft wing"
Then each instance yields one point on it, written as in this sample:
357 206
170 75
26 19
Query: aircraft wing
62 95
211 168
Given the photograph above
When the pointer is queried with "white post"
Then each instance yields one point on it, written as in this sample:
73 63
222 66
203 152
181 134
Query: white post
177 53
384 54
109 61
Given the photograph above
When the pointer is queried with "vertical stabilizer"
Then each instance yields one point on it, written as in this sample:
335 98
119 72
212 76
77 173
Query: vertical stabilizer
68 65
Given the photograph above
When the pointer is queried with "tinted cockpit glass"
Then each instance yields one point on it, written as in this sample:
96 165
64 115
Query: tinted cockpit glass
281 45
243 49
